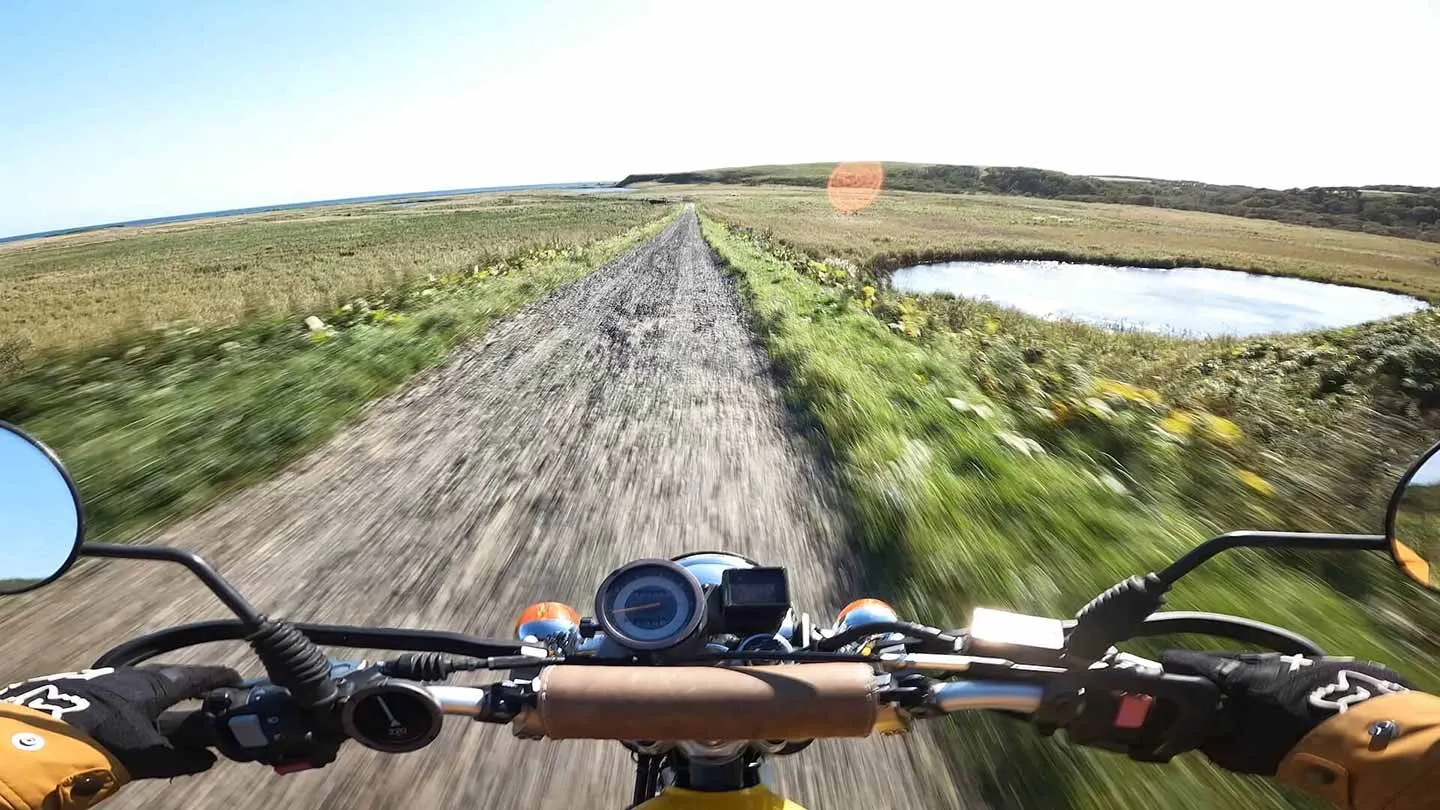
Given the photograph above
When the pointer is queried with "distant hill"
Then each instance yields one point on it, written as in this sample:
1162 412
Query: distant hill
1393 210
413 196
14 584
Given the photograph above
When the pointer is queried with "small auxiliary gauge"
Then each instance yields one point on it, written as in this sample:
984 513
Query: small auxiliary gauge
650 605
392 716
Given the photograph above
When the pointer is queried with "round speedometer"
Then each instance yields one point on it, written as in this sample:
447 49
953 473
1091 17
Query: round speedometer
650 605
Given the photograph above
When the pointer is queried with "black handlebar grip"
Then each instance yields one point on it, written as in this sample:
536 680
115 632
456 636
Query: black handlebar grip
1199 715
1177 713
189 729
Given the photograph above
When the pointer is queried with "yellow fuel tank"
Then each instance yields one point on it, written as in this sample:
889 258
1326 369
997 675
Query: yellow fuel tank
755 798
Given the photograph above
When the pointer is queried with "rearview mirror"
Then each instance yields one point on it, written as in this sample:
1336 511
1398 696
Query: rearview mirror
1413 523
40 521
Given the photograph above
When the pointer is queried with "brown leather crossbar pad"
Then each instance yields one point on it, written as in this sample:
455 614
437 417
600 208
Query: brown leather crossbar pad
790 702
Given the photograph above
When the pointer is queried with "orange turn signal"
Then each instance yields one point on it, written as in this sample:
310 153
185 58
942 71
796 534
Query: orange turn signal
556 614
866 611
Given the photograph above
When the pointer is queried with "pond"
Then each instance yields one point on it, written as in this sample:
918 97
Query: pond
1184 301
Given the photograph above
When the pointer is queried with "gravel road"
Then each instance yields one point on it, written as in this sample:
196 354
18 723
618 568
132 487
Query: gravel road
629 415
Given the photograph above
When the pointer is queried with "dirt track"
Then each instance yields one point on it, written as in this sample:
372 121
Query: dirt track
628 415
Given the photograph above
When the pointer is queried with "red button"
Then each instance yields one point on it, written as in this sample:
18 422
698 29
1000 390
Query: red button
1133 710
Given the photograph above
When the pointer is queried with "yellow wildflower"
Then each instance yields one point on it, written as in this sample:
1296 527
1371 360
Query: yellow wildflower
1222 429
1128 391
1178 423
1255 482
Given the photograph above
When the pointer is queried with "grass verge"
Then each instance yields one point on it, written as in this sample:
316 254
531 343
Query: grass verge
156 426
962 501
1332 413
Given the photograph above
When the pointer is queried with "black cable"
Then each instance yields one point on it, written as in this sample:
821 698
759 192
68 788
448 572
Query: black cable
911 629
1234 628
799 656
151 645
429 666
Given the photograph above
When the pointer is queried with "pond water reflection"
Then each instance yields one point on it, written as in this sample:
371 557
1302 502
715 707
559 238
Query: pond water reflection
1190 301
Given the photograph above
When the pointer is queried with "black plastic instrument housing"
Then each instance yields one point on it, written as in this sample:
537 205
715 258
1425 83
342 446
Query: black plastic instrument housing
754 600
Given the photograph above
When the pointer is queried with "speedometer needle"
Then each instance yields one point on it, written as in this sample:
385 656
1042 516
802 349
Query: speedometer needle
637 607
386 708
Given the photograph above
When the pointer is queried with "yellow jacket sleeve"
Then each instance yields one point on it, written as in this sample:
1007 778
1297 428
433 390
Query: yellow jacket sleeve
1382 754
46 764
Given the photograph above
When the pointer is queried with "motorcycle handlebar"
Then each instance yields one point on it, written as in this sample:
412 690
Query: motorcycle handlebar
794 702
461 701
763 705
959 696
945 698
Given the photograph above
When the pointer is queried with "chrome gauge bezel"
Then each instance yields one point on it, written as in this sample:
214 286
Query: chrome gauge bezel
671 571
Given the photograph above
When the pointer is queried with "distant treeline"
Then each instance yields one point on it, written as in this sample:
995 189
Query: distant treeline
1409 211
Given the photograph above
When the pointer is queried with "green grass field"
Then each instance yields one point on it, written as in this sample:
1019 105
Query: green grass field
994 459
156 421
1364 392
73 291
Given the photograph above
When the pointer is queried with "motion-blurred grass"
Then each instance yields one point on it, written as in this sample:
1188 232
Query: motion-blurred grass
156 423
1333 410
980 474
69 292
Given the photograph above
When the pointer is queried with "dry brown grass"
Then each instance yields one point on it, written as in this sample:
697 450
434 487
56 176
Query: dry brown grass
908 226
73 291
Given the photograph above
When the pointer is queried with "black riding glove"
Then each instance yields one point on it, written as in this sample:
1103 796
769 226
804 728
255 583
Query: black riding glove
1275 699
118 708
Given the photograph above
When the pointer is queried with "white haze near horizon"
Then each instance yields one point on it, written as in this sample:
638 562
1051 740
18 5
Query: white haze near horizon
271 104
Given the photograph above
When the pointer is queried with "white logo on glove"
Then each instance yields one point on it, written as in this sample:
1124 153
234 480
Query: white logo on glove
81 675
1351 687
48 698
1296 662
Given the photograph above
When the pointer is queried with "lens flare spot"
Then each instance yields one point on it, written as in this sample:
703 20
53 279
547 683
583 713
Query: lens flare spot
853 186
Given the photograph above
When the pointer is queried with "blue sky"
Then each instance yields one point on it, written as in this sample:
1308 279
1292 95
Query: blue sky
1429 474
37 512
112 110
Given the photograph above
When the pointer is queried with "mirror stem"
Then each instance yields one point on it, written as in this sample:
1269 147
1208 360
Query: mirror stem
1118 613
1312 540
223 590
291 659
